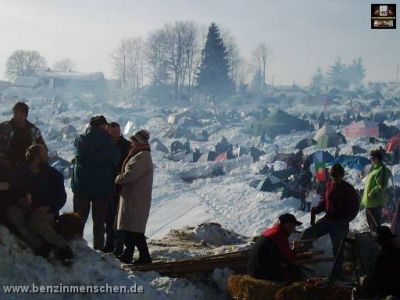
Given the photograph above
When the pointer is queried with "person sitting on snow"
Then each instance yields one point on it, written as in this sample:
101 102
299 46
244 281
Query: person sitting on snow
340 202
271 257
39 193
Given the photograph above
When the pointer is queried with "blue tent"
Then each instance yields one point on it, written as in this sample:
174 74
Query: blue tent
318 156
352 162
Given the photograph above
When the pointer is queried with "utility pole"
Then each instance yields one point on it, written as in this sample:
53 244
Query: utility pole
398 69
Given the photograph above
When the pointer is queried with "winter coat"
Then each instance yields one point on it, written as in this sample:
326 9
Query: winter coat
123 147
375 191
340 202
96 157
135 197
46 187
15 141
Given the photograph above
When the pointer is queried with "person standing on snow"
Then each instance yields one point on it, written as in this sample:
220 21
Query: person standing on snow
136 181
96 157
271 257
114 240
17 134
375 191
340 202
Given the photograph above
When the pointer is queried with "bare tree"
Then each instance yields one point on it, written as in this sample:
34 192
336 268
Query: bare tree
64 65
128 63
155 57
25 63
172 53
234 58
260 57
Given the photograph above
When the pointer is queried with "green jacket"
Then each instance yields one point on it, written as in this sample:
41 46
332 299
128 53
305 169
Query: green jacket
375 191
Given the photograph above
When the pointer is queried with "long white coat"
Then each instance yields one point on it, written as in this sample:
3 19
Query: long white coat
135 197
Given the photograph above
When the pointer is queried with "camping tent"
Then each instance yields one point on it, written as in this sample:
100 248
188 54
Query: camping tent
393 144
327 137
279 123
208 156
270 184
386 131
256 153
352 161
304 143
361 129
318 156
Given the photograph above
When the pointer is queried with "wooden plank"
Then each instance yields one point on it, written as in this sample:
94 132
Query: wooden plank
234 260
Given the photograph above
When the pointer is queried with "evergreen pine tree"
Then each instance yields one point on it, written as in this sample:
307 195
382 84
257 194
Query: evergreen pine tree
318 79
213 78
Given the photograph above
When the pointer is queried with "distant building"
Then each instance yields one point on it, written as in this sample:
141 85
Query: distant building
71 83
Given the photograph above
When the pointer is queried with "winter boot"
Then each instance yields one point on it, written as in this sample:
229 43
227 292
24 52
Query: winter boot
127 256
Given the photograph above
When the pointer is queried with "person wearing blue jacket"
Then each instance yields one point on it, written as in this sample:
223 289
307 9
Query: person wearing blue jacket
96 157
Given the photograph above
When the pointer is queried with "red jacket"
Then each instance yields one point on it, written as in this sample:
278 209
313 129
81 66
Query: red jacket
280 238
340 202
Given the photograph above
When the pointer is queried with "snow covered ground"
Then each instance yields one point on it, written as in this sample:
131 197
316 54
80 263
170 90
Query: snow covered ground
228 199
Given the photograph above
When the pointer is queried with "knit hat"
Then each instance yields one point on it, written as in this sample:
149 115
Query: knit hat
142 136
22 107
98 121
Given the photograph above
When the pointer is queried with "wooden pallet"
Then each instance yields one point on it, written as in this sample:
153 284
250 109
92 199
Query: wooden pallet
237 261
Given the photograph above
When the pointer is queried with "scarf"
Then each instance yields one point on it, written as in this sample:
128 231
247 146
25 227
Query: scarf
135 150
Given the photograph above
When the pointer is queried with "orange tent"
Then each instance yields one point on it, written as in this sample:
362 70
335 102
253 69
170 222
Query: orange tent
394 143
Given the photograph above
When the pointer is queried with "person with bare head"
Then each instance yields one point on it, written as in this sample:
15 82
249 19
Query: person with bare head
340 202
375 191
40 193
114 240
18 134
96 157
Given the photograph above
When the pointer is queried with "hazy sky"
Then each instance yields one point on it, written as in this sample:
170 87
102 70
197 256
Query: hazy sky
303 34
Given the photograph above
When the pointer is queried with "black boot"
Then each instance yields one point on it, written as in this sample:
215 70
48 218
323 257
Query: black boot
141 244
127 256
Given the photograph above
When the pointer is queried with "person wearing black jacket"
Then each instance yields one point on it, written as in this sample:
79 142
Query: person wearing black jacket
40 194
383 279
43 182
114 239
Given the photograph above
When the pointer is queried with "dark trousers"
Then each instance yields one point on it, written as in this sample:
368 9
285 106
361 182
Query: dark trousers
114 238
99 211
374 217
337 232
138 240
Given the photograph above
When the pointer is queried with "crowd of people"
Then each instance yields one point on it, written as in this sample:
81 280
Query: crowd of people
112 178
272 257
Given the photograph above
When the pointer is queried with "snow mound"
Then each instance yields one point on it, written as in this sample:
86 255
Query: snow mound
213 233
20 266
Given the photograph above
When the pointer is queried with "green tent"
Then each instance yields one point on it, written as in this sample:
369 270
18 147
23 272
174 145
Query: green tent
279 123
